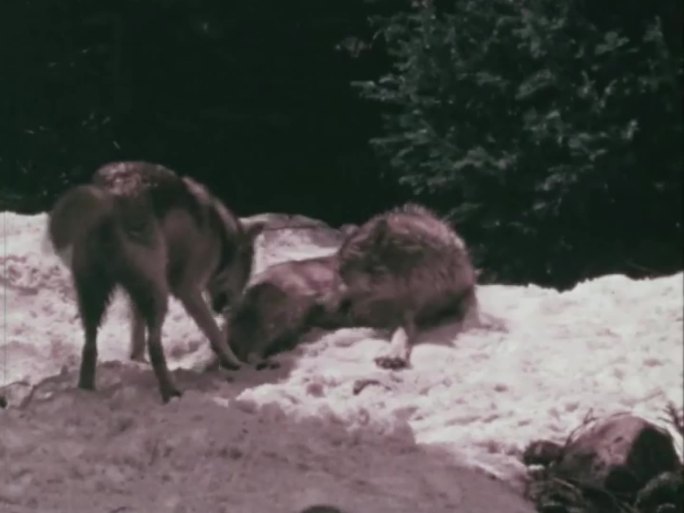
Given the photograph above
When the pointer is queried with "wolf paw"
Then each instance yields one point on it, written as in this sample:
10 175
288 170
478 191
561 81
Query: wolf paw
392 362
170 393
226 364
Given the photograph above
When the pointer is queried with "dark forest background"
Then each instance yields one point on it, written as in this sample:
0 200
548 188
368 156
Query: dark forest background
548 131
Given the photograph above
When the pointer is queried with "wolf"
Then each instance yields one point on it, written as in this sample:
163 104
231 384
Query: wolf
404 269
280 304
140 226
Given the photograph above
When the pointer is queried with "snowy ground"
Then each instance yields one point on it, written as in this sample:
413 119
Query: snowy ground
280 440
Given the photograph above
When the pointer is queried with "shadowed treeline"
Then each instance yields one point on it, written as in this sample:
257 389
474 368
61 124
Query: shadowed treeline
252 98
549 132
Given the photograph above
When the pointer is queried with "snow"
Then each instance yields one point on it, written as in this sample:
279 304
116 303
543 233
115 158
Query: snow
421 439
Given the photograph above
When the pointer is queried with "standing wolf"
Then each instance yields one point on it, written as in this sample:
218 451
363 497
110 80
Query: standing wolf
404 269
142 227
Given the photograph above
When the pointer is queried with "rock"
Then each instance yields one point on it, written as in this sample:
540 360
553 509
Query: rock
283 229
609 465
276 220
620 454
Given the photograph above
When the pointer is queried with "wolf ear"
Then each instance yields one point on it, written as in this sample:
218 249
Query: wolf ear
253 228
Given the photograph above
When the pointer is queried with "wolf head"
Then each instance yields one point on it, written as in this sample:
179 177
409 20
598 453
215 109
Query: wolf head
228 283
263 319
280 303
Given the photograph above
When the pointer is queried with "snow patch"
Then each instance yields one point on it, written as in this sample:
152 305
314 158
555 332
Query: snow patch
475 397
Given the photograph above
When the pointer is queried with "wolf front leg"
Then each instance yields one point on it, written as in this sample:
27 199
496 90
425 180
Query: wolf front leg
403 338
150 302
86 378
197 308
156 352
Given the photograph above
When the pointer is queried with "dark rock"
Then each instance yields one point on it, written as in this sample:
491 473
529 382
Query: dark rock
620 454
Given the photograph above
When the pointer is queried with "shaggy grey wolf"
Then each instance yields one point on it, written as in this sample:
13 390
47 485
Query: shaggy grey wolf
402 270
142 227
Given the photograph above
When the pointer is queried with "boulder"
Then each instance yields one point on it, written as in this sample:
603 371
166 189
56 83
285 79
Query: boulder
620 453
621 458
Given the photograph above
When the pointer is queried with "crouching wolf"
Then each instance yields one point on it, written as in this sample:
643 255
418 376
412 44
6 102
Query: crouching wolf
404 269
280 304
144 228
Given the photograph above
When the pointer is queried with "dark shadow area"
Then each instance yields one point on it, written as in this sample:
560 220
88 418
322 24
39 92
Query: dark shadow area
548 182
252 98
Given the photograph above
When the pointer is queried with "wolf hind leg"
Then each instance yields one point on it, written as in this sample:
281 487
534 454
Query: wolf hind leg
150 305
142 273
399 354
93 291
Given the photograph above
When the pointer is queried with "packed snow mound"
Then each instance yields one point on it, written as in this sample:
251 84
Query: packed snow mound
120 450
479 395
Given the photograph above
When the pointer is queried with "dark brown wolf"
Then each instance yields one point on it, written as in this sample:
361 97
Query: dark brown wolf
142 227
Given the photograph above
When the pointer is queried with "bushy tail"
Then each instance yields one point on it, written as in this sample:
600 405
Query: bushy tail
73 215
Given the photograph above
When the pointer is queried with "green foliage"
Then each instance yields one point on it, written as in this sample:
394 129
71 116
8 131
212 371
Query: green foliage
551 141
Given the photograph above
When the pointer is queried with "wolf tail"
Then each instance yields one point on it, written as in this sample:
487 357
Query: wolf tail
73 215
